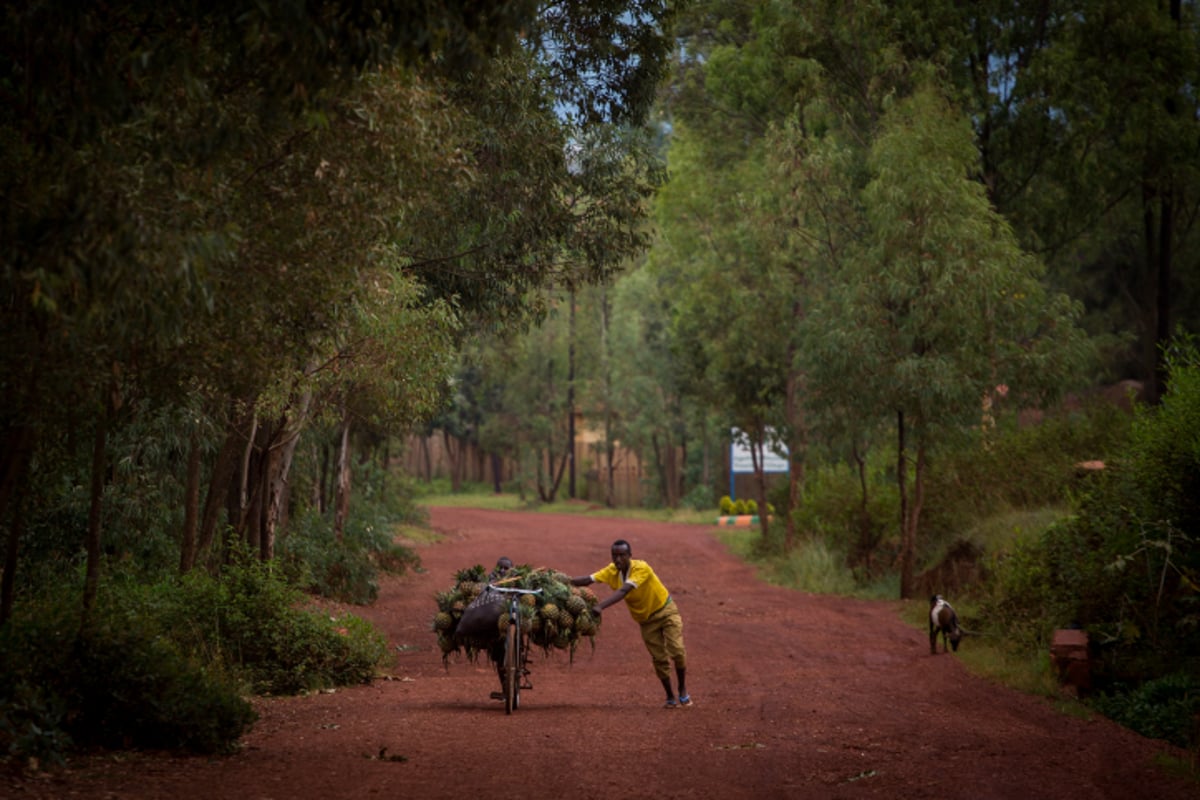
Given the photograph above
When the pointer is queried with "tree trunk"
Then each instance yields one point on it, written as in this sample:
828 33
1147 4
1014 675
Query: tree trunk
757 458
19 446
11 553
191 504
279 469
426 460
385 459
91 583
223 476
866 543
609 474
497 479
247 481
671 473
571 398
452 457
658 465
314 496
341 498
796 446
913 524
906 555
610 467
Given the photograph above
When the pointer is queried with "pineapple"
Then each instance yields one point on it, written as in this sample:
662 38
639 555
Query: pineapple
576 604
565 620
442 621
550 612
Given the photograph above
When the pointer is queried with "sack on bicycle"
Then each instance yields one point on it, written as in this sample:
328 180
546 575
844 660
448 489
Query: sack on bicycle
481 618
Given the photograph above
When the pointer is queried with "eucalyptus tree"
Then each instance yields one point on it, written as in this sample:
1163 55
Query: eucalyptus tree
1084 116
643 399
943 306
162 168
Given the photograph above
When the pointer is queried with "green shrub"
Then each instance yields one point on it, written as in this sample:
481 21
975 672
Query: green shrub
120 682
254 620
32 725
1164 708
132 686
751 506
346 570
726 505
700 498
739 507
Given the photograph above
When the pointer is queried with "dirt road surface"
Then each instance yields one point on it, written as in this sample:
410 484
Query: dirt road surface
796 696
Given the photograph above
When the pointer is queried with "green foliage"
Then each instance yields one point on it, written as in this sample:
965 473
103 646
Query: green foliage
32 725
1027 467
347 570
699 498
1125 565
812 565
122 681
254 620
1162 708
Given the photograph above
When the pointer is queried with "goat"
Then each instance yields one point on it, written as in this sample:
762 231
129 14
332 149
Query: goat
943 620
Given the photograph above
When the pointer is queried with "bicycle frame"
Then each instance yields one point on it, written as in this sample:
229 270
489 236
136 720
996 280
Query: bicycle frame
515 647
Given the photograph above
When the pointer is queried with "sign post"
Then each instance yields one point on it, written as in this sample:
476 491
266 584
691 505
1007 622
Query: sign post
773 458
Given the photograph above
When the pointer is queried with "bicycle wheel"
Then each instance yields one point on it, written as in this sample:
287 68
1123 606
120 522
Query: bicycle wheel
512 668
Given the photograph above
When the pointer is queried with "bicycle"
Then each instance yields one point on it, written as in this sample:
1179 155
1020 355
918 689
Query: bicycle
516 648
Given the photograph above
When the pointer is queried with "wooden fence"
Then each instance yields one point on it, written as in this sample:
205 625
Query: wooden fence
438 457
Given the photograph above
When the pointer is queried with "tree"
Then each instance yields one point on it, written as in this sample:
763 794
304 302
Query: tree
200 202
943 306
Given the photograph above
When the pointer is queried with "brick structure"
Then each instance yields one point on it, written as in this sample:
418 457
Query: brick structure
1071 659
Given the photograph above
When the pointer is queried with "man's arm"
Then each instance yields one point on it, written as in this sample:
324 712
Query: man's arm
582 580
615 597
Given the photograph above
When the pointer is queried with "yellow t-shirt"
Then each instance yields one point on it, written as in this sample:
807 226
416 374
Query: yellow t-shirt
648 593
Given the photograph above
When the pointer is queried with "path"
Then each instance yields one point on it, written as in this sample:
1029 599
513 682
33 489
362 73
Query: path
796 696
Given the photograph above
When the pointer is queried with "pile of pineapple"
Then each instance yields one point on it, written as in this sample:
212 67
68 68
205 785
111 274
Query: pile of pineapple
558 618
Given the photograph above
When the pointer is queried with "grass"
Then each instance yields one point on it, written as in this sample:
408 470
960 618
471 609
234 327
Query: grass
479 496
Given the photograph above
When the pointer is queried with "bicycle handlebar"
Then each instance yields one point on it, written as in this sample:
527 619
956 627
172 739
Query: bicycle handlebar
507 590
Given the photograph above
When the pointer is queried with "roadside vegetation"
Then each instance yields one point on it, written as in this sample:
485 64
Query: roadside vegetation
251 252
1085 519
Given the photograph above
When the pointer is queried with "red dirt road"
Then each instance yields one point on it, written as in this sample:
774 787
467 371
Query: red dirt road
796 696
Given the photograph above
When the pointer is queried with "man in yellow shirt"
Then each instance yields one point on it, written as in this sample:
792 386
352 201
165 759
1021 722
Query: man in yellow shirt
652 608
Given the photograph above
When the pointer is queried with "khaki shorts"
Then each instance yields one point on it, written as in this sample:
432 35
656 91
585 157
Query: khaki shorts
663 635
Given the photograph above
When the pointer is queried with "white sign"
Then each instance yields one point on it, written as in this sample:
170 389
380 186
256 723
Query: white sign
772 457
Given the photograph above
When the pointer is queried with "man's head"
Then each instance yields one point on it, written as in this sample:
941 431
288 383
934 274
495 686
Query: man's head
621 554
503 564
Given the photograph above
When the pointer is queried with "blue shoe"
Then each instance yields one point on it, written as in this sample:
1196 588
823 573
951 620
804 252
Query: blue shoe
685 700
671 704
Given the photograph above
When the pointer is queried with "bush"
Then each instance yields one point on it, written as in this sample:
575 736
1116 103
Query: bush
131 686
726 505
119 682
346 570
254 620
1164 708
700 498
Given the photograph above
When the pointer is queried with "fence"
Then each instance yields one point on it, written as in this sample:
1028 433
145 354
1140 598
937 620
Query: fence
433 457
